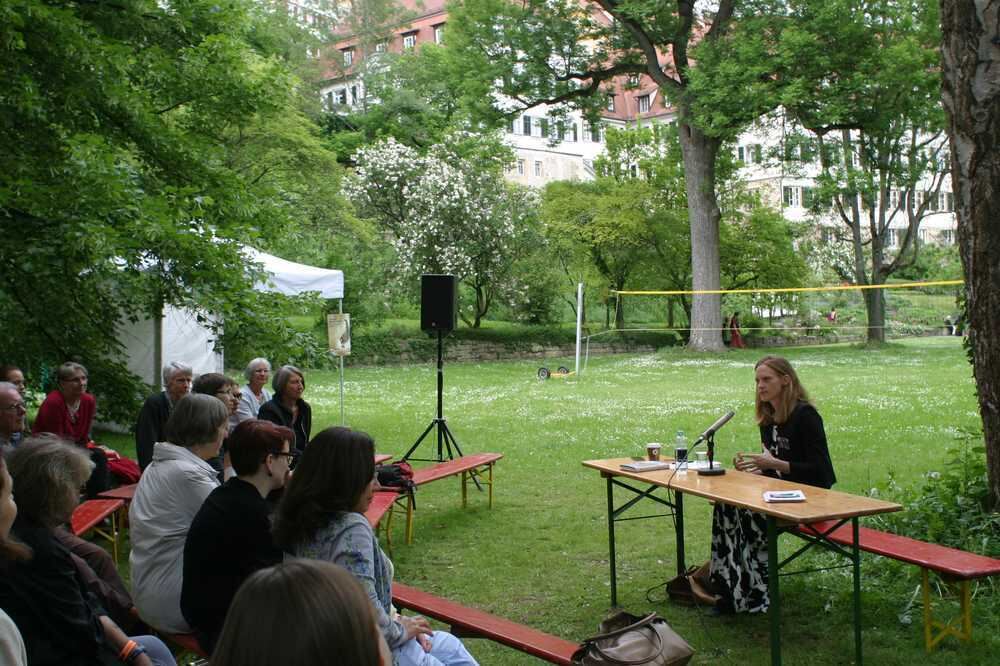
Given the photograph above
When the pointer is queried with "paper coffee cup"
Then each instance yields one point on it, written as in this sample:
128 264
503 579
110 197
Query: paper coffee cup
653 451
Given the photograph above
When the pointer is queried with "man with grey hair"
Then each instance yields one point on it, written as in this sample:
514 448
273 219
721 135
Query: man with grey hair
12 413
156 410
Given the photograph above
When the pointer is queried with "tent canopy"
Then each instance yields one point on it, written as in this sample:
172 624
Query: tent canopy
289 278
184 338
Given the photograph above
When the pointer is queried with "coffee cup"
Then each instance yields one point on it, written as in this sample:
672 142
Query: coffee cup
653 451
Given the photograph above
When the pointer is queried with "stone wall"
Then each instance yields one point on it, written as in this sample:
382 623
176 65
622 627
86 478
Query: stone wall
474 351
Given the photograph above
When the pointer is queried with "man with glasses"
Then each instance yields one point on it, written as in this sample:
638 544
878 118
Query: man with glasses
12 412
230 537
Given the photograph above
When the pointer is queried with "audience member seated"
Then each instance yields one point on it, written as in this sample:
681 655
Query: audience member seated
170 493
230 537
156 410
253 395
325 613
13 375
62 624
68 412
12 652
12 411
287 408
225 389
322 517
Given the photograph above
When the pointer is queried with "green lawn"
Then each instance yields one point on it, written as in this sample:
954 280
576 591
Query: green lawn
540 556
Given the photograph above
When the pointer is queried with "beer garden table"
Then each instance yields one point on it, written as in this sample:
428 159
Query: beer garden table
745 490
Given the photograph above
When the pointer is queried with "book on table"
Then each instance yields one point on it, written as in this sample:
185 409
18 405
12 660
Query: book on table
784 496
645 465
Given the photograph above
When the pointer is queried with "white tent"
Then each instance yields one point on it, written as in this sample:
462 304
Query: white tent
180 336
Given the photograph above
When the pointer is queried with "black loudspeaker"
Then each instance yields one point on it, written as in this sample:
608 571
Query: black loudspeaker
438 303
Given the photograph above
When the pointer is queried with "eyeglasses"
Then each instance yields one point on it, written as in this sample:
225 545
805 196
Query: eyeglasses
14 407
292 456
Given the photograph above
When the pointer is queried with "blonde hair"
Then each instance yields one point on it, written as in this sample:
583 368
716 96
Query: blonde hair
791 394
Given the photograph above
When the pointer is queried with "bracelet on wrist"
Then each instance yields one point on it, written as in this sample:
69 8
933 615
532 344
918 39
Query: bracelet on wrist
134 654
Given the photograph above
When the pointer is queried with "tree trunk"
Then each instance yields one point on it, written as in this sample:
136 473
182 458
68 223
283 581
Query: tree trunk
971 91
875 311
619 310
699 152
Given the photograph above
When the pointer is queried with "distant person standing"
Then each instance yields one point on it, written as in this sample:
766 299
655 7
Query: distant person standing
735 338
832 317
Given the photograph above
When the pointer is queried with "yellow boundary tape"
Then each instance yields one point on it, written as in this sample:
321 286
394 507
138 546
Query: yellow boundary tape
848 287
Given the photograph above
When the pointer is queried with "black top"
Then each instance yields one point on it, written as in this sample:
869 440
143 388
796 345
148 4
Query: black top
149 428
274 411
58 618
229 539
802 442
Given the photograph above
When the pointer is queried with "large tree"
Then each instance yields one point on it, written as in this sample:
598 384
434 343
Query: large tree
971 84
517 55
142 143
864 85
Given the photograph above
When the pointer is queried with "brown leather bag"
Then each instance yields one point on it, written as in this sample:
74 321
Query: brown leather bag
630 640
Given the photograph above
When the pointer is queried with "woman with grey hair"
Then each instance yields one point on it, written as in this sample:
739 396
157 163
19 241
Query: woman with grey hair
170 492
155 411
287 408
68 412
41 588
253 395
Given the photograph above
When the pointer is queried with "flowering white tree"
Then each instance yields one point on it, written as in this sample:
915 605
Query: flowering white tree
447 211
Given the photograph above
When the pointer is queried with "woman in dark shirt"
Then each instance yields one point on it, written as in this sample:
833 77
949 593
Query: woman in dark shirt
287 408
230 537
793 447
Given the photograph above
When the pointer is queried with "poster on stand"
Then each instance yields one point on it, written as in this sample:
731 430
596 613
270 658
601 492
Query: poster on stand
338 330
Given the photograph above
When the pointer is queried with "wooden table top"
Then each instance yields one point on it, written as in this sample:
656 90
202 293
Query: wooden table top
746 490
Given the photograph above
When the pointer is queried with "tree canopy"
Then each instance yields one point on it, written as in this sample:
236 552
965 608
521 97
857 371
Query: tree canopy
144 142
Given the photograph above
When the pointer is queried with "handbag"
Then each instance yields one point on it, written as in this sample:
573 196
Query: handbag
630 640
692 588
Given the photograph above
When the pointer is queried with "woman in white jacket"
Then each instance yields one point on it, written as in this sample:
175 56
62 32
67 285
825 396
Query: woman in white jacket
169 495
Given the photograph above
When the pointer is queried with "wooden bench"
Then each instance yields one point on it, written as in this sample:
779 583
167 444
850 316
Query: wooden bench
465 466
383 503
951 564
468 622
91 514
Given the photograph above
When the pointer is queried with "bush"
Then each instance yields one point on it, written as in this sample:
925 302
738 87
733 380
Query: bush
951 507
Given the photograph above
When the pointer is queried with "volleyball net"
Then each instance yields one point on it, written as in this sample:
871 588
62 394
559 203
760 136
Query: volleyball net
790 315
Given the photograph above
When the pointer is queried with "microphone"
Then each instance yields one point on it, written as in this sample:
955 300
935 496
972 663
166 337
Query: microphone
716 427
709 435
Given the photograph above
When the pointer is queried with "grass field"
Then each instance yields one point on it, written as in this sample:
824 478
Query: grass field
540 556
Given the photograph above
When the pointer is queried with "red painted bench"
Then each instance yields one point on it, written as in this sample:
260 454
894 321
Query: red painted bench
951 564
91 514
464 466
382 503
472 623
123 493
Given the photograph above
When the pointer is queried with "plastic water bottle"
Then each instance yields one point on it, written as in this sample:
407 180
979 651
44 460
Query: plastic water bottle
681 450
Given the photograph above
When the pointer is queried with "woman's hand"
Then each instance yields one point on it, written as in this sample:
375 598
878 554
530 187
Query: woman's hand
744 462
765 460
416 627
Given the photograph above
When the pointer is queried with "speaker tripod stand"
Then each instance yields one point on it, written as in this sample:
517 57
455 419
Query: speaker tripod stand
445 439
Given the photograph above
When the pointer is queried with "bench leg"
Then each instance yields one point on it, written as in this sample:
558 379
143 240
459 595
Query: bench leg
387 526
111 534
944 629
465 489
409 519
491 484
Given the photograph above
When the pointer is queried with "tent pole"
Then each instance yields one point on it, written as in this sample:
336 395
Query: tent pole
158 346
340 309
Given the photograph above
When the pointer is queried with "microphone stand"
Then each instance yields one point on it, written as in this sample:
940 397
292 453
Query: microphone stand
712 470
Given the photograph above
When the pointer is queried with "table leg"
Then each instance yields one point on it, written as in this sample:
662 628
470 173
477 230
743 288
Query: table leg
679 527
773 590
856 557
611 541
